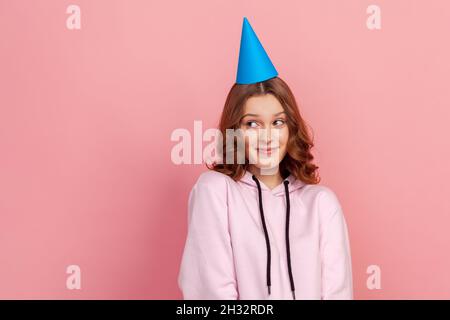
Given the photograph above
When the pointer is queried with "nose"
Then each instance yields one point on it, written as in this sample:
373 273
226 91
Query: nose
264 137
269 137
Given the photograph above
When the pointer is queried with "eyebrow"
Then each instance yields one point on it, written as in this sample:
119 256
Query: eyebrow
256 115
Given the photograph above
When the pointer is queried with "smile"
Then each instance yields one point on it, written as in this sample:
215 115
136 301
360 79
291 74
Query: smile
267 150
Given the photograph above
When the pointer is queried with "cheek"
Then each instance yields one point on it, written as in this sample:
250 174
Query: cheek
284 137
251 138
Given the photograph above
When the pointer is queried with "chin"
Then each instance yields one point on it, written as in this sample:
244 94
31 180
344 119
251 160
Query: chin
270 163
267 162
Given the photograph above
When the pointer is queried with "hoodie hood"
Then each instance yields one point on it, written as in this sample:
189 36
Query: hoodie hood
279 190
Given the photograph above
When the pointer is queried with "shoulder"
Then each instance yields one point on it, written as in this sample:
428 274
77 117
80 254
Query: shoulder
208 198
320 193
324 198
213 180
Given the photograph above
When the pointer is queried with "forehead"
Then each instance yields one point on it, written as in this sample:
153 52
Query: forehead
262 105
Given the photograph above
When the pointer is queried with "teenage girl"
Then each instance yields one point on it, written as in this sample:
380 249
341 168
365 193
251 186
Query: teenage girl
263 228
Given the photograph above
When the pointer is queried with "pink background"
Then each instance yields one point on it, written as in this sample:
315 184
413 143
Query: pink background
86 116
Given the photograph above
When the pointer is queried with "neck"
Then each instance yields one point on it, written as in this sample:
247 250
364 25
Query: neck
270 180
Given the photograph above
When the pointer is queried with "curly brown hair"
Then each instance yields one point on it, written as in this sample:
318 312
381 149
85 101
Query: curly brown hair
298 158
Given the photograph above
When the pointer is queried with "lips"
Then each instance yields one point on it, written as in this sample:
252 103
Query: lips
267 150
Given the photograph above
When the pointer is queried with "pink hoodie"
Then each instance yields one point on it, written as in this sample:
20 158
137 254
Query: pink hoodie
237 249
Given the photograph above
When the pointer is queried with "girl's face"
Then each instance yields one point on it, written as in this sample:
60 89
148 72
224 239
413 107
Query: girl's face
265 129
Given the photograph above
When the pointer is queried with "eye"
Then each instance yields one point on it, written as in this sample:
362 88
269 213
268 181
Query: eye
279 122
249 124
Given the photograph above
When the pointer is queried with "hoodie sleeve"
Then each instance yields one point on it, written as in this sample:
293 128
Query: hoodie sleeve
337 280
207 267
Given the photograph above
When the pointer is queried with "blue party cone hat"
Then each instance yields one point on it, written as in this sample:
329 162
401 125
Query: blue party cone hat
254 63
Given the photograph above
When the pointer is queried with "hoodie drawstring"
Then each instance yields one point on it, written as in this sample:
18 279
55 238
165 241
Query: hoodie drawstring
266 234
288 250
